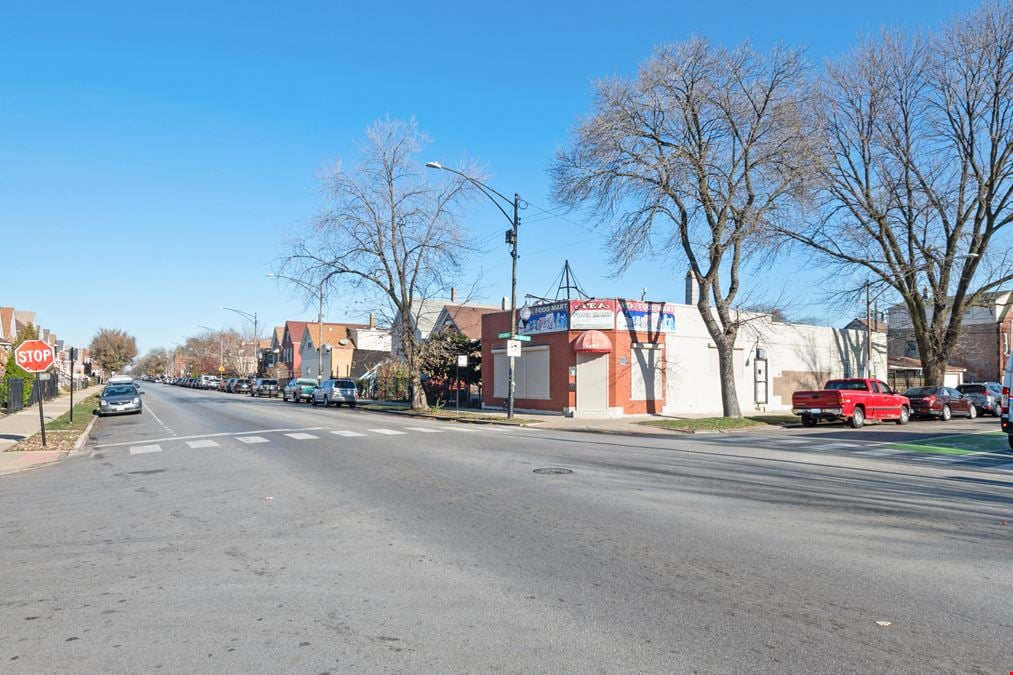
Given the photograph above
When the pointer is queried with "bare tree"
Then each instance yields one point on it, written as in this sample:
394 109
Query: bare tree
387 231
695 159
918 171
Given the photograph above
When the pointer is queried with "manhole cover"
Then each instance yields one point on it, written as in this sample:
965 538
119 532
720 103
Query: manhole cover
553 470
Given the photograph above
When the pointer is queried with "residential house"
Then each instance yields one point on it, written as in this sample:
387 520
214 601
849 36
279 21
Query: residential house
982 348
465 319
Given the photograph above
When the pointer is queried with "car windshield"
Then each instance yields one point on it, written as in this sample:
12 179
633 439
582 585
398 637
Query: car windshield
344 384
848 385
268 382
971 388
120 390
242 381
920 391
307 383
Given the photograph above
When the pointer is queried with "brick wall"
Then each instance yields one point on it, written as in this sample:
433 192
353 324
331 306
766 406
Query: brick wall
979 349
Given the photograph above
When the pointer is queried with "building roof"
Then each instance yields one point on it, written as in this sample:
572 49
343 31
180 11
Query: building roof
465 318
859 324
6 324
909 363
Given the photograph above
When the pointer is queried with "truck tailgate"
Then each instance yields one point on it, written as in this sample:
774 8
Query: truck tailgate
816 399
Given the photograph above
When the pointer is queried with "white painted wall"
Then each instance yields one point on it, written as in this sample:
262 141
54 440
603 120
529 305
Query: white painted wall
691 360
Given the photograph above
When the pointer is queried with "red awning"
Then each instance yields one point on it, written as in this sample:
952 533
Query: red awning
593 341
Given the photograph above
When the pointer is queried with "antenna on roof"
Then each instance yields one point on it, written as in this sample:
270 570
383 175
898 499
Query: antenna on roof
568 282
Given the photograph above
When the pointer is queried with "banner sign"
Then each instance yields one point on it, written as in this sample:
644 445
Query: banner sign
648 317
550 318
592 314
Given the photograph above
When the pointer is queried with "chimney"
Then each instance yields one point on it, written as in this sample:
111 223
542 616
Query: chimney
372 319
692 289
505 303
453 294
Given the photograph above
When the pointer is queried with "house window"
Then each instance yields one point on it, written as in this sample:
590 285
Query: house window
911 348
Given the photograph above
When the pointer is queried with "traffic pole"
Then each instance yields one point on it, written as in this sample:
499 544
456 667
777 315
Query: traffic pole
73 353
457 386
42 418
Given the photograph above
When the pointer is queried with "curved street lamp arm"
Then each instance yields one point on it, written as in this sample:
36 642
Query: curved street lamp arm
245 315
483 188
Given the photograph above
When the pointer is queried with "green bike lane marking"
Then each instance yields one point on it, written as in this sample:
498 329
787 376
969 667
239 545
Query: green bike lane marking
965 444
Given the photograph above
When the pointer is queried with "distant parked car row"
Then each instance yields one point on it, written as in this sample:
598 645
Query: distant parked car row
332 392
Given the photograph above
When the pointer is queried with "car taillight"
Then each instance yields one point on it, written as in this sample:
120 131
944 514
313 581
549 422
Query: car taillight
930 399
1005 400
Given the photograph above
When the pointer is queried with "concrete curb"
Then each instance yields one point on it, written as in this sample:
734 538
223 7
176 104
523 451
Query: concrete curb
405 413
83 438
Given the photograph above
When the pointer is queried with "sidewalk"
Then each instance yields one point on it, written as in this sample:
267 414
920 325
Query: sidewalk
25 423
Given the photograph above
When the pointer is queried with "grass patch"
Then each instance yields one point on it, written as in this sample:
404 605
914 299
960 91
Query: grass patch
969 444
442 413
61 433
721 423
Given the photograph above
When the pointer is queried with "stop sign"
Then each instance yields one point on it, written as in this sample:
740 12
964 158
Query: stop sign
34 356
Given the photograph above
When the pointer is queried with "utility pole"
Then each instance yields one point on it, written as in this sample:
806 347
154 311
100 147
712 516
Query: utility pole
868 332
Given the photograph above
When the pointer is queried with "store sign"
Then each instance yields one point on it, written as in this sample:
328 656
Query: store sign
648 317
592 314
549 318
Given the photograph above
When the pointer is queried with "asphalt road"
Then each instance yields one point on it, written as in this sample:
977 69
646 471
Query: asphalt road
222 533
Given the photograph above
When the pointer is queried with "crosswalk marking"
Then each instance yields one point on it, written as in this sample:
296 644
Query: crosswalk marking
249 440
880 452
300 436
387 432
425 430
347 434
459 427
205 443
144 449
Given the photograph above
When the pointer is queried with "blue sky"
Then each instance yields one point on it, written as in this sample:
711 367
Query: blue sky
153 156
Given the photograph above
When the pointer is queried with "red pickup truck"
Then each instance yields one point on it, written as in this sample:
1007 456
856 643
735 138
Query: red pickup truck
853 400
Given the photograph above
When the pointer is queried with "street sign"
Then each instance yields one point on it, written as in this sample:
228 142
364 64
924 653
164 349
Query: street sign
462 360
513 347
511 336
221 369
34 356
44 376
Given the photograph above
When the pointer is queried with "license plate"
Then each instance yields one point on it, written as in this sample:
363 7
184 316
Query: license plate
816 410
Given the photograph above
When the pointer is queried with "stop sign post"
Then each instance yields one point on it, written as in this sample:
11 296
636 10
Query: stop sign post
36 356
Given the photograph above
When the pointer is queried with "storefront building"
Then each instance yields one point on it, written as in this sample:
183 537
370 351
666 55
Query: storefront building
614 357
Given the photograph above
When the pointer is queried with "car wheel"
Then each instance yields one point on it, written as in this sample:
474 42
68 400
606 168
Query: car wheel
809 421
857 419
947 414
314 401
972 412
1009 439
905 415
351 405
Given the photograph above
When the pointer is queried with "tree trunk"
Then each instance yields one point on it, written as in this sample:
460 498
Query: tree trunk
726 370
933 369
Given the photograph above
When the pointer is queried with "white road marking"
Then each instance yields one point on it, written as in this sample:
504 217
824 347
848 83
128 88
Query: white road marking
157 419
1003 467
206 443
347 434
459 427
300 436
792 441
944 459
387 432
144 449
218 435
425 430
249 440
880 452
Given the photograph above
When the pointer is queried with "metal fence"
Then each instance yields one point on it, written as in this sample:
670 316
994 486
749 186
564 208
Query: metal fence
49 389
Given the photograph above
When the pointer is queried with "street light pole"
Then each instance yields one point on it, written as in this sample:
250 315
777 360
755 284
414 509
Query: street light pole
319 290
511 238
249 317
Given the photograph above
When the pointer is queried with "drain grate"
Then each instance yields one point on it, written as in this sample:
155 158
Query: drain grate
553 471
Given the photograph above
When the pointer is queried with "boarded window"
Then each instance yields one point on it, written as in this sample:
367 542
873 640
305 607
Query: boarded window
645 373
531 373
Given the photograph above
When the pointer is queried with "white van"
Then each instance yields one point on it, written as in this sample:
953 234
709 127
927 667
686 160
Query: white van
209 382
120 379
1007 386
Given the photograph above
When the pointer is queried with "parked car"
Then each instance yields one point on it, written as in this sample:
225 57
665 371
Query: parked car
263 386
1007 383
228 384
336 392
241 386
940 402
298 390
853 401
986 396
117 399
